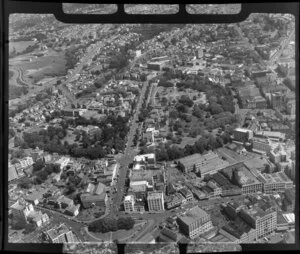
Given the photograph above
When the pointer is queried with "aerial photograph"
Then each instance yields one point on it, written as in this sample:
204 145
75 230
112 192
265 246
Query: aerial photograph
151 135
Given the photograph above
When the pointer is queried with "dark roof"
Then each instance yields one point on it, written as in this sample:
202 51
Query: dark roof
237 228
183 240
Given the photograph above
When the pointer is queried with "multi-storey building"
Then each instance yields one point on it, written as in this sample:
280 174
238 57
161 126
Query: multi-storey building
290 171
277 100
275 182
244 177
242 134
194 222
139 206
139 186
278 154
155 201
59 234
264 222
207 164
21 210
261 145
129 202
12 173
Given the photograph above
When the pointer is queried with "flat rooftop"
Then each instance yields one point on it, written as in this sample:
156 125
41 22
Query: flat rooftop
58 230
198 158
155 195
242 130
142 157
142 175
193 215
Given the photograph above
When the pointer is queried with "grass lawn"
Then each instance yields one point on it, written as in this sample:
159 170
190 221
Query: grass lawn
70 138
20 46
50 65
16 91
88 214
188 141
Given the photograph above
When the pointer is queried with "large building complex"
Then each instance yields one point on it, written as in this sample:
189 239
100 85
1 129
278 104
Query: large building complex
275 182
207 164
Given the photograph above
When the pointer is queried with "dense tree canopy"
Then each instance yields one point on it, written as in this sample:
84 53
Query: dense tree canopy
109 224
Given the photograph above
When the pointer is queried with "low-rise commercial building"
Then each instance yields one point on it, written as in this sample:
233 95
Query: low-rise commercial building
174 200
188 195
261 146
89 200
149 158
272 135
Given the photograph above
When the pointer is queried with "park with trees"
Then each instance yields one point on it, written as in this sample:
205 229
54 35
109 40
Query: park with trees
105 225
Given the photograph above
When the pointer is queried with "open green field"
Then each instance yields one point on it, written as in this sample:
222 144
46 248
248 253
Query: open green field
50 65
16 91
10 74
20 46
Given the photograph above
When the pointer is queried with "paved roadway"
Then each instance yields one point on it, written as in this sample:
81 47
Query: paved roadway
283 45
77 70
246 40
128 156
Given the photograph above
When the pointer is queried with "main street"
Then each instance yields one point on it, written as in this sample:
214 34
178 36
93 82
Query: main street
283 45
91 52
129 154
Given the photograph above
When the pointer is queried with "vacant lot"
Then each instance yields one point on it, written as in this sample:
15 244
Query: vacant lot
19 46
